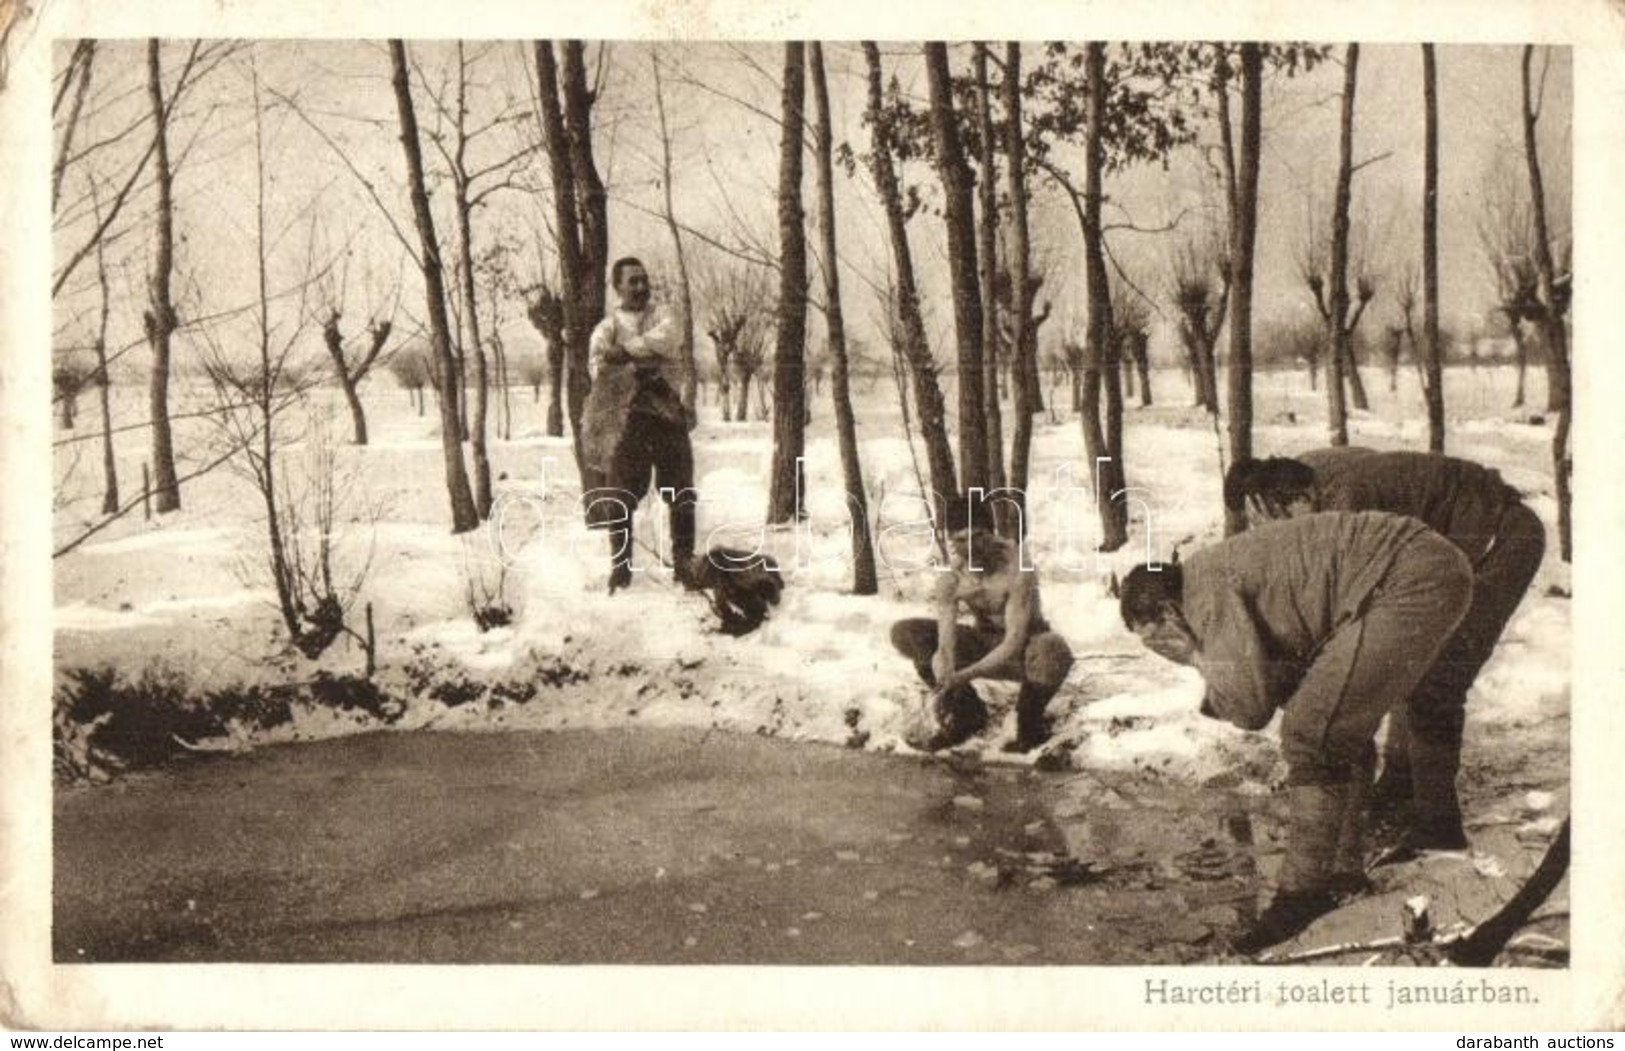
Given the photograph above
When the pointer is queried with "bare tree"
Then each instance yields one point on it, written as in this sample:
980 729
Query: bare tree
1399 334
1131 336
1105 456
546 310
477 173
110 501
200 60
464 513
160 317
70 375
1340 314
1242 195
579 211
1506 233
494 269
1201 294
79 71
864 578
685 293
252 399
1553 290
1024 283
959 216
350 373
987 264
790 352
1434 387
412 368
909 336
738 305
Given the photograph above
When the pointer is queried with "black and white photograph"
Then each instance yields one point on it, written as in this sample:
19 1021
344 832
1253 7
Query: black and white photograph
756 499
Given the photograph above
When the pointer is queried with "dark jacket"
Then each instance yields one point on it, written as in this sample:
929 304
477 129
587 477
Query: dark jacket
1460 500
1262 603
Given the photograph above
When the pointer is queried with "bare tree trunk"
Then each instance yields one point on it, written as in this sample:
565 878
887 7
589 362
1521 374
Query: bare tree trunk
160 315
959 217
790 355
109 462
574 271
282 572
865 581
742 407
591 200
1338 294
1107 469
1024 344
464 515
1433 388
478 425
476 431
1553 328
724 389
1520 344
1243 235
987 260
334 341
922 369
685 295
499 355
83 61
1351 368
1142 361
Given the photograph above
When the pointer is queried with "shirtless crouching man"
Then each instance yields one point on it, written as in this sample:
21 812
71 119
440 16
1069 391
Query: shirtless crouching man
1007 640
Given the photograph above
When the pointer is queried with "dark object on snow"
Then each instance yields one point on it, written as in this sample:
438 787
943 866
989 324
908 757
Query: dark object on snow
740 585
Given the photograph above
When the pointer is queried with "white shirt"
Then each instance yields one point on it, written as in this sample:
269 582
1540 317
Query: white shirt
649 335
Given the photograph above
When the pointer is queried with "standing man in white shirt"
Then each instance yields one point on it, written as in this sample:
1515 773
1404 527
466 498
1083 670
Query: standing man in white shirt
635 424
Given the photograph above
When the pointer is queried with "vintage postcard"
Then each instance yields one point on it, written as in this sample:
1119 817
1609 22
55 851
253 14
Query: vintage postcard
808 516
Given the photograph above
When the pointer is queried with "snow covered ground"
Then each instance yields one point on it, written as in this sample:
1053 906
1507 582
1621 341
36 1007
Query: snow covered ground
185 590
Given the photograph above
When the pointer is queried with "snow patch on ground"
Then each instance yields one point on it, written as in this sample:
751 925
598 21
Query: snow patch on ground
822 668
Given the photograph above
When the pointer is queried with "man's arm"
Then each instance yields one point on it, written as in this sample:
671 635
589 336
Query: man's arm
1242 682
659 340
602 346
1018 615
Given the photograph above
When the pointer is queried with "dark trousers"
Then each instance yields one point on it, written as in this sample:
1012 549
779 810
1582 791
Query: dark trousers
1045 662
650 445
1437 709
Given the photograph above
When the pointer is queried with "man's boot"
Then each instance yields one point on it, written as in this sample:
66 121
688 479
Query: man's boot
1032 729
620 559
1348 861
1394 790
1305 892
1436 812
961 715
